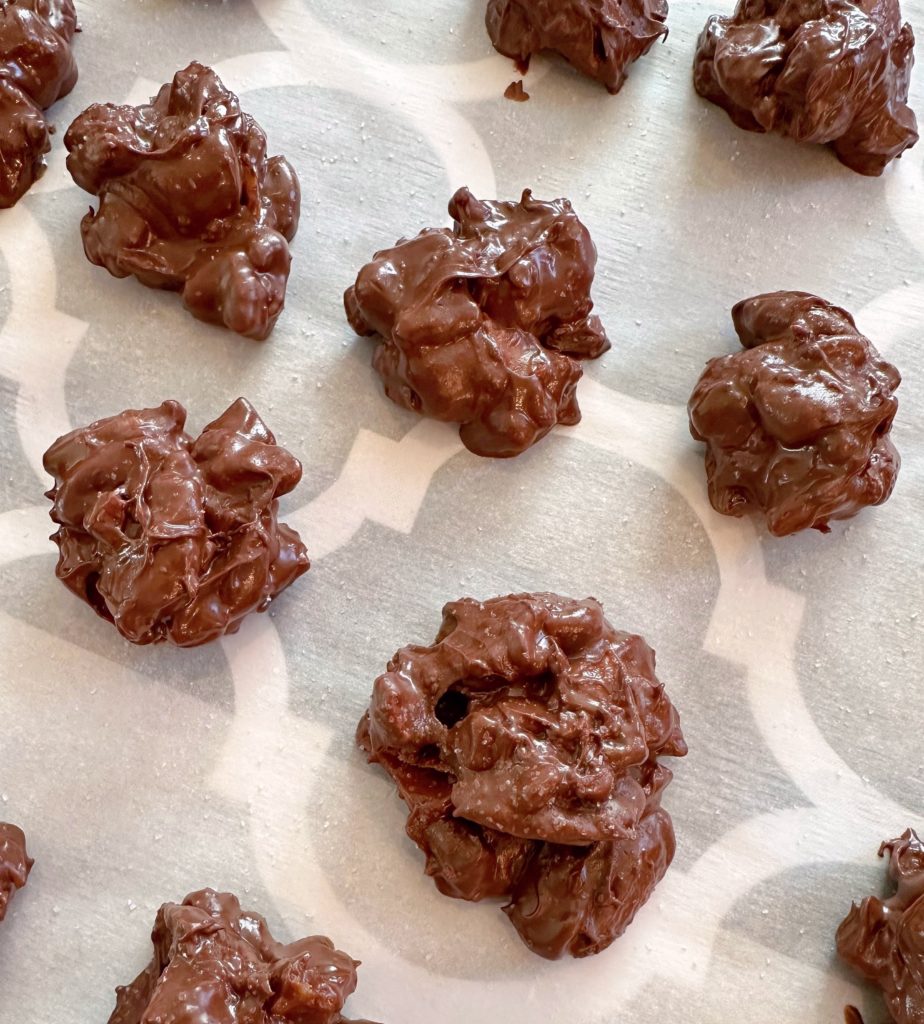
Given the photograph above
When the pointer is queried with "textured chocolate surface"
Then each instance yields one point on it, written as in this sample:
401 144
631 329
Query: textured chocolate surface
883 939
484 324
170 537
15 863
601 38
797 426
216 963
189 201
37 68
525 743
823 71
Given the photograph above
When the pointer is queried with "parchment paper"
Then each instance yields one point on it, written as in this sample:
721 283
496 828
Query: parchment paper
140 774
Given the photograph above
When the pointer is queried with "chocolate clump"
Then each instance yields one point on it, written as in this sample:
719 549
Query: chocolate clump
170 537
525 743
37 68
516 92
215 962
15 864
189 201
824 71
883 939
601 38
484 323
797 425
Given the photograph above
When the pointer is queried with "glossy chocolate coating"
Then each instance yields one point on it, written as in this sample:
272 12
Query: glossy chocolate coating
824 71
883 940
216 963
170 537
37 68
601 38
525 743
188 200
484 324
15 863
797 425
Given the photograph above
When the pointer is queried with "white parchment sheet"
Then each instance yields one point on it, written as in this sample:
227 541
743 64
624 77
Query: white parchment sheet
140 774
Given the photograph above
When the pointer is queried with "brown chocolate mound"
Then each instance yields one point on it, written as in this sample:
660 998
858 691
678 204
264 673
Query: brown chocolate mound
15 864
797 425
883 940
824 71
484 323
37 68
215 962
170 537
189 201
601 38
525 743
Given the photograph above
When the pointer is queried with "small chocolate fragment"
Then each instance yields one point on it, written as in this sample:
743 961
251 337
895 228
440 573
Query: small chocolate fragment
525 743
883 940
217 963
170 537
824 71
601 38
37 68
15 863
516 92
189 201
484 323
797 425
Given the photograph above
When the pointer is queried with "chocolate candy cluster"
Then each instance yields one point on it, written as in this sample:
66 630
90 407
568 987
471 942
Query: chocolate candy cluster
215 962
797 425
189 201
823 71
883 939
525 743
37 68
485 323
15 863
601 38
170 537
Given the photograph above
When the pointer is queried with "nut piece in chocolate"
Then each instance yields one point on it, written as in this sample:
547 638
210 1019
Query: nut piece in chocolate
601 38
797 425
215 962
171 537
484 324
37 68
831 72
189 201
883 939
525 743
15 864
